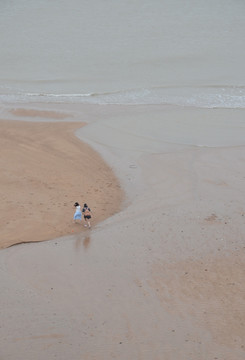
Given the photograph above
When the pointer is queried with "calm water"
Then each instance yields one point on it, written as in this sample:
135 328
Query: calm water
127 52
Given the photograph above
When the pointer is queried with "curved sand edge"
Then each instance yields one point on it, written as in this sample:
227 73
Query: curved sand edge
45 169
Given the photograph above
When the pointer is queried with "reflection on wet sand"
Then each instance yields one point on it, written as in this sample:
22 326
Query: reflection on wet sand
80 239
86 242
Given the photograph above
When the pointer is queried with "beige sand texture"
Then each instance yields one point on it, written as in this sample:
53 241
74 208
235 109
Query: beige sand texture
44 170
161 279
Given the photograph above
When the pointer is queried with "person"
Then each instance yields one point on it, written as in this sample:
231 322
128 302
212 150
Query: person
78 213
87 214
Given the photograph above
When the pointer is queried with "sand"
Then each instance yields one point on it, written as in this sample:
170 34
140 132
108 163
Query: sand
163 278
44 170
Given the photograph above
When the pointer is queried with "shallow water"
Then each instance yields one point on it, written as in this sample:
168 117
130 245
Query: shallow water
128 52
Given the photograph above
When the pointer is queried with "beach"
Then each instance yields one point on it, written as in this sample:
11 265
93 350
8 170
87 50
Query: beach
160 278
45 170
137 109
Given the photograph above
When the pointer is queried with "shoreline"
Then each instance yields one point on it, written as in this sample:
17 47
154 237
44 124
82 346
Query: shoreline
164 275
45 169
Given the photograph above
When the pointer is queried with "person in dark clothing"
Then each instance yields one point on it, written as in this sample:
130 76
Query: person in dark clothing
87 215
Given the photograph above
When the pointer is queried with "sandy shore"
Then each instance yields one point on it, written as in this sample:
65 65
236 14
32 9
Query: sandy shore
161 279
44 170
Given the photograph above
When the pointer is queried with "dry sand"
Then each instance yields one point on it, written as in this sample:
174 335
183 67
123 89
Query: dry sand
161 279
44 170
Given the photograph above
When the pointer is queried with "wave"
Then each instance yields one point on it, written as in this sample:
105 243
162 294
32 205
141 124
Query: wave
208 96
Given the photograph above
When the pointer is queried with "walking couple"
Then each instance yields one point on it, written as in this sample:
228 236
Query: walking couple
86 211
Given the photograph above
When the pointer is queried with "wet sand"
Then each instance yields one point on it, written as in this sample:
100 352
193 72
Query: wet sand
160 279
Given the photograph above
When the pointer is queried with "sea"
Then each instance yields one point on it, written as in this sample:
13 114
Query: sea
179 52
